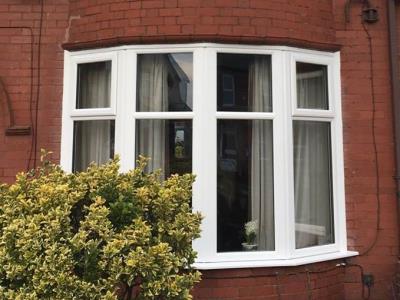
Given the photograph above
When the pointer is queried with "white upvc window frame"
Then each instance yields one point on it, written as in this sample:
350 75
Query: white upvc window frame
204 118
332 116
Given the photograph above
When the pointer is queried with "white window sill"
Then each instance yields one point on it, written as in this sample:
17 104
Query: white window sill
273 263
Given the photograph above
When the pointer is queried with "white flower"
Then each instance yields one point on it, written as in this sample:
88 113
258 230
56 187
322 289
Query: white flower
251 227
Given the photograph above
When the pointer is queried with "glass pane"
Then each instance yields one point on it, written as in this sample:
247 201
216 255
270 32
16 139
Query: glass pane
165 82
312 86
313 183
94 85
93 142
245 187
167 142
244 82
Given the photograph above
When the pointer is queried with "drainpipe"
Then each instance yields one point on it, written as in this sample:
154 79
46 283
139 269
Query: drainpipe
394 63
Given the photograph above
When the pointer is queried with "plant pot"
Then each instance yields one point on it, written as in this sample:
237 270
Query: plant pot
249 247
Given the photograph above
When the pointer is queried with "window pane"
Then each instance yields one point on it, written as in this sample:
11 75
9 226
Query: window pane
312 86
165 82
313 183
245 191
244 82
93 142
167 142
94 85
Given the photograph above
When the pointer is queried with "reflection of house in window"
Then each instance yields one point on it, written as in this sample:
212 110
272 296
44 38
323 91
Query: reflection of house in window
234 81
234 146
228 150
228 90
179 84
228 143
180 146
179 143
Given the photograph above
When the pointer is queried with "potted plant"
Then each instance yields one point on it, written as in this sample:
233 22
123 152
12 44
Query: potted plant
250 234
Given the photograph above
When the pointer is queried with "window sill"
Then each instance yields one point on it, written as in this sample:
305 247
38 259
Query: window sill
273 263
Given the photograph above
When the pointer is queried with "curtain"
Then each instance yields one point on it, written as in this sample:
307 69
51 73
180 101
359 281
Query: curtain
312 170
312 90
262 186
94 142
153 96
94 85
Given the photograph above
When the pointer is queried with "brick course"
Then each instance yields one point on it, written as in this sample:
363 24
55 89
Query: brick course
314 24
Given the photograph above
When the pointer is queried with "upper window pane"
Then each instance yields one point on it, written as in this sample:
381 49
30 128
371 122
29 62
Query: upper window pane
244 82
94 85
165 82
312 86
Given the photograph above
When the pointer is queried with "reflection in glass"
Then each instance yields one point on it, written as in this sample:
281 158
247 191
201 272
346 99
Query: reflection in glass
313 183
94 85
244 82
245 194
167 142
93 142
165 82
312 86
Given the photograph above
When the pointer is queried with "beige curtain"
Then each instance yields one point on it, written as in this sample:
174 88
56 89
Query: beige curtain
93 141
312 90
94 85
152 96
312 167
262 184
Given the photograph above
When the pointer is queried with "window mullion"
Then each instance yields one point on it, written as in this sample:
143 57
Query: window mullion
125 122
339 197
164 115
67 130
204 150
246 115
289 110
284 221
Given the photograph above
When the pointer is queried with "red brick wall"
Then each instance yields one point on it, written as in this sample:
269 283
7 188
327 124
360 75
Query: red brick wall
398 34
227 18
317 281
15 69
360 165
315 23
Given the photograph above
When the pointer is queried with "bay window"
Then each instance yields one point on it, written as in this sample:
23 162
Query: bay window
259 126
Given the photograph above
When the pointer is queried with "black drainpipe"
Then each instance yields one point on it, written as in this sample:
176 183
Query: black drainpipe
394 63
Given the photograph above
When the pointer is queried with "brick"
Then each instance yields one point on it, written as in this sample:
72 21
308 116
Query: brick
167 12
152 4
19 8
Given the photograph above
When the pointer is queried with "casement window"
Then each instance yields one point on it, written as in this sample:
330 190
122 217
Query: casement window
259 126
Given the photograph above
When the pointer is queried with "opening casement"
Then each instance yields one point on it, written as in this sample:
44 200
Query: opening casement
259 126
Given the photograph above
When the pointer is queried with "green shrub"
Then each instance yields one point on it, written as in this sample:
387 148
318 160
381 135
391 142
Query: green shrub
97 234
